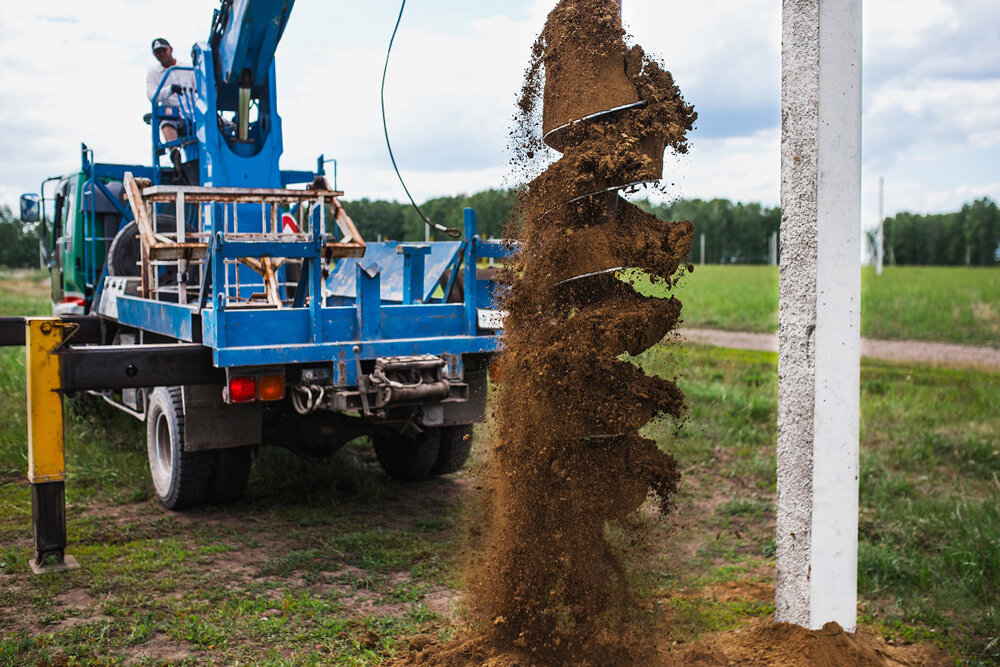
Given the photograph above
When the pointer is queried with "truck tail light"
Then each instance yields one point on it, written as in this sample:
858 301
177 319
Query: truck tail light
271 387
242 389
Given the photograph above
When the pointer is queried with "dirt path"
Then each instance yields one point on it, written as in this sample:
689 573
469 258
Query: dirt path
912 351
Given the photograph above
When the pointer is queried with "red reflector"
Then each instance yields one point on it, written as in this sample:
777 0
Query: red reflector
75 300
242 389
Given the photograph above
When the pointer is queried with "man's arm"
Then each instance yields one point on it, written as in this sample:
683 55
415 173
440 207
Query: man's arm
152 81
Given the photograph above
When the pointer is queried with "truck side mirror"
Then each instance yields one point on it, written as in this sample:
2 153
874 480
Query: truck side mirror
29 208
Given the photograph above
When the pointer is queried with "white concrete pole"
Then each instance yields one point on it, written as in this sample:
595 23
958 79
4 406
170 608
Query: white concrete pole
819 322
880 236
702 249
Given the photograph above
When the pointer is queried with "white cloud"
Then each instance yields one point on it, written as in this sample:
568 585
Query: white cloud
70 72
744 168
893 25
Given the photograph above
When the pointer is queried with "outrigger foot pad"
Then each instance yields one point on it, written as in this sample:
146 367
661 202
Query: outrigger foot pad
54 565
48 514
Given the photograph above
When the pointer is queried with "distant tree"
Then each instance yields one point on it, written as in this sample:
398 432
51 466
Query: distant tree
18 241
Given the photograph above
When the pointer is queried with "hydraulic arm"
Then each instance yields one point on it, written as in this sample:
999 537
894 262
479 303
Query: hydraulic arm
244 37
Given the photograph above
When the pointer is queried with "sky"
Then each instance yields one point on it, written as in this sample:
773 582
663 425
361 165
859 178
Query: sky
74 72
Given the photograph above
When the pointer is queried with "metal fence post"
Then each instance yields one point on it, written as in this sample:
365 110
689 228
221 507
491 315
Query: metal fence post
46 463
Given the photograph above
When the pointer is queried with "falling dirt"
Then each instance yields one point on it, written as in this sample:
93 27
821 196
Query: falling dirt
545 586
567 456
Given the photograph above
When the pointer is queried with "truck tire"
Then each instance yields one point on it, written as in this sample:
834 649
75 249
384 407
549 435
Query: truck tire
454 449
123 255
180 478
230 471
407 459
126 248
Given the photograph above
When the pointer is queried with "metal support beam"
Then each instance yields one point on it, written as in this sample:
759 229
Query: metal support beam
134 366
369 303
819 322
471 321
46 464
413 272
85 330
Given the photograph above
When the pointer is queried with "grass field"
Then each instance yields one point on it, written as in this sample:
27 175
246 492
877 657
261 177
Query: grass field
953 305
332 563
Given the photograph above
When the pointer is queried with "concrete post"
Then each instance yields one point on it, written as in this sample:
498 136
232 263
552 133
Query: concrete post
819 329
880 236
702 250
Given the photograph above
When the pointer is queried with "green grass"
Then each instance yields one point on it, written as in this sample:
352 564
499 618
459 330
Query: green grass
929 561
737 298
332 563
953 305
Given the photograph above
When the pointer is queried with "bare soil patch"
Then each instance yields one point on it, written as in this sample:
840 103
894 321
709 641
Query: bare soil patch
908 351
159 650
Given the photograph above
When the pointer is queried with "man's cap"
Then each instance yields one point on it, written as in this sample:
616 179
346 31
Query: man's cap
160 43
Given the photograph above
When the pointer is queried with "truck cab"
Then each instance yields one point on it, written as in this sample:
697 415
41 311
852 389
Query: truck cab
77 222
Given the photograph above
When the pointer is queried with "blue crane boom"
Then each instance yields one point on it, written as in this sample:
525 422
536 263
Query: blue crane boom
245 35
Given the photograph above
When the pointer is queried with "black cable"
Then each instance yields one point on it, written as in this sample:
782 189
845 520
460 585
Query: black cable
450 231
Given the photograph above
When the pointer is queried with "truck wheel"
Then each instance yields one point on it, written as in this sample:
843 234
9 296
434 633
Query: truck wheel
123 255
456 443
404 458
230 471
180 478
125 249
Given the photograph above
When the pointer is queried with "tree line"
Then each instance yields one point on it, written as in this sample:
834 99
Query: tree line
394 221
18 241
969 237
735 232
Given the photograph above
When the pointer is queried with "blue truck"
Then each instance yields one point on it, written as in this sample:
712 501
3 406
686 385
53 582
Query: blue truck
229 303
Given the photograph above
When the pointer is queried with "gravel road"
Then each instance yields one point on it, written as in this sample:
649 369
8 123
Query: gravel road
911 351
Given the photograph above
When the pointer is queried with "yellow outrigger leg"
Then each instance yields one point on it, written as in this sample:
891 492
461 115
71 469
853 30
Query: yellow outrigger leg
46 465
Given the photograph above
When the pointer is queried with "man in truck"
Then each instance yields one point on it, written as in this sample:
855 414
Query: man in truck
170 92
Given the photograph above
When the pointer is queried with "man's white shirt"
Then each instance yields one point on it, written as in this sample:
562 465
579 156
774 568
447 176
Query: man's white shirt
182 78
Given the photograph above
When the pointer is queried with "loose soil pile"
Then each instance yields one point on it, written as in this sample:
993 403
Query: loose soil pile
545 587
764 644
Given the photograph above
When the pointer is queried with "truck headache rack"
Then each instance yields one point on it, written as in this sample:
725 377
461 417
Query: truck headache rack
225 278
213 238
